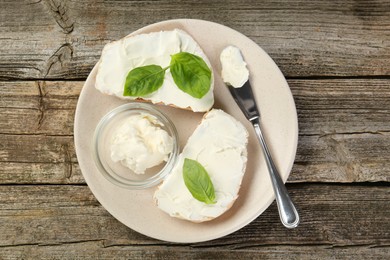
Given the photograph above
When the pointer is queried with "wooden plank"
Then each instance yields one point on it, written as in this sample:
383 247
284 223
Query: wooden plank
337 220
331 106
97 250
39 121
37 148
63 39
33 159
332 158
39 107
342 158
40 173
344 129
323 106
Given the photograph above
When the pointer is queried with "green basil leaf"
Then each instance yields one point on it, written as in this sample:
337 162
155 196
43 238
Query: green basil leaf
198 181
144 80
191 74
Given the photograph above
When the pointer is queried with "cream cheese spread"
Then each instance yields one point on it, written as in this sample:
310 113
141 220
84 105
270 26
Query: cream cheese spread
120 57
140 143
219 144
234 71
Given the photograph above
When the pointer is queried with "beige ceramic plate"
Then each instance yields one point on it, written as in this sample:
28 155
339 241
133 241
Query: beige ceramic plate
136 208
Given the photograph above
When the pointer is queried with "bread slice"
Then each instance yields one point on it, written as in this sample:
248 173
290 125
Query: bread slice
120 57
219 143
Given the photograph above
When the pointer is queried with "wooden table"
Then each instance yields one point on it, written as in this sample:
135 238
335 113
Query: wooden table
336 58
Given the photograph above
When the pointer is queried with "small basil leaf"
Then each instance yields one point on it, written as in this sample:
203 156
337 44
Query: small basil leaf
144 80
191 74
198 181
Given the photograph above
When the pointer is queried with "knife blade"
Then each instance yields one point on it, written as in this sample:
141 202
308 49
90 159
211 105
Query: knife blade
245 100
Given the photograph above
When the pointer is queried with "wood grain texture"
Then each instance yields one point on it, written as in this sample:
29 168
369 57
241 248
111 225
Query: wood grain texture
342 158
66 221
327 106
336 57
344 131
336 158
63 39
334 106
96 250
38 107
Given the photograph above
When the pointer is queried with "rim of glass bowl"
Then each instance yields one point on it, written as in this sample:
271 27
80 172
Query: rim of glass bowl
157 177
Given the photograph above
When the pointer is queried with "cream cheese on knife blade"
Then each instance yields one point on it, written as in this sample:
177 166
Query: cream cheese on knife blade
234 71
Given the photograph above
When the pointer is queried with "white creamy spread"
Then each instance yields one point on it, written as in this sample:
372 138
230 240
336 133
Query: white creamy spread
219 144
120 57
234 69
140 143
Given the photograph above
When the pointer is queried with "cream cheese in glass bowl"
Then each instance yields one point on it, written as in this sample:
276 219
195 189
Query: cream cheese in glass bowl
135 146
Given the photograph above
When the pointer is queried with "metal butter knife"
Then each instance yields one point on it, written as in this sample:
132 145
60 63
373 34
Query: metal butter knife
246 101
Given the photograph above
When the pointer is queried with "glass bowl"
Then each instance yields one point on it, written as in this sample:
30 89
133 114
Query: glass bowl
115 172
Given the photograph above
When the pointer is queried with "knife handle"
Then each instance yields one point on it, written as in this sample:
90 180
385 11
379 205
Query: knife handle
287 211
